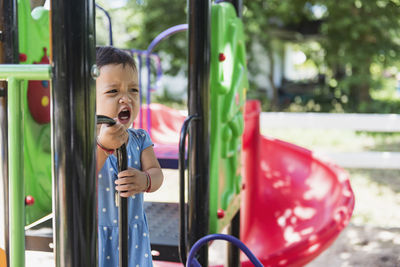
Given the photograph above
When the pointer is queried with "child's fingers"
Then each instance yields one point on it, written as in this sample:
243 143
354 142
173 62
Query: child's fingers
128 172
127 190
129 193
125 180
126 187
113 136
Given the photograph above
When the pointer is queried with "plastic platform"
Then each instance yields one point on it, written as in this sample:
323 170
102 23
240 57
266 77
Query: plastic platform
163 220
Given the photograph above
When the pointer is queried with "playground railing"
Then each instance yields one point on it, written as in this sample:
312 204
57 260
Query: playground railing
15 75
354 122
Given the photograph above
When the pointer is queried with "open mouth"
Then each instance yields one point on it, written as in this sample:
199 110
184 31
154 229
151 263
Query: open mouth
124 116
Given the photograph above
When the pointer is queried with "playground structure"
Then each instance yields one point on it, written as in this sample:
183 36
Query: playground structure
286 217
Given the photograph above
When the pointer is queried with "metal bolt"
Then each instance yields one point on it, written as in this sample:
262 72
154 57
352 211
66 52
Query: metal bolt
95 72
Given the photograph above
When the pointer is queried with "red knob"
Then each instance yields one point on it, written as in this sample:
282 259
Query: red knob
221 57
220 213
29 200
22 57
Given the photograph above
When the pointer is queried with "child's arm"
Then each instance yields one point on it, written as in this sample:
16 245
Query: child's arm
134 181
111 138
152 167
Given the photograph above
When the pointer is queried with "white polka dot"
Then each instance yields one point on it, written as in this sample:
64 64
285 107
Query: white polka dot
129 156
144 234
108 257
142 134
111 169
100 176
105 228
117 248
146 255
137 148
135 225
115 221
133 196
136 217
136 246
110 237
107 189
104 210
136 162
137 265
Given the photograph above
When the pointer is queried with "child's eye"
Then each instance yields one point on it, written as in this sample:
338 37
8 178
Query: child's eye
112 91
134 90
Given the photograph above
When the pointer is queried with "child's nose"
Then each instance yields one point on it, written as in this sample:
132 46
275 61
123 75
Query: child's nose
125 99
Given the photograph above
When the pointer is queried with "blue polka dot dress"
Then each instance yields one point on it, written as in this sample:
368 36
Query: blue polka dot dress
138 239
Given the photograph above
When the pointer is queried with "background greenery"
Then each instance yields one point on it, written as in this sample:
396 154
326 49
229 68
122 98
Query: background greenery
353 45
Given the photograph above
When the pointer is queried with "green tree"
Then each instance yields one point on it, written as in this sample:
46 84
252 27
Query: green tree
353 34
139 22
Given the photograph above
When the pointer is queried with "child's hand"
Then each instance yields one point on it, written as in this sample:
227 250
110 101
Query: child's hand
131 182
112 137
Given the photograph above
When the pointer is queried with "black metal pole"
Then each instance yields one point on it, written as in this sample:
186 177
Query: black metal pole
10 55
9 34
73 133
238 4
199 104
122 212
233 251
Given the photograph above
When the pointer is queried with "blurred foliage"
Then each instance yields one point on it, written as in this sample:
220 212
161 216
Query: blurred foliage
139 22
353 45
354 37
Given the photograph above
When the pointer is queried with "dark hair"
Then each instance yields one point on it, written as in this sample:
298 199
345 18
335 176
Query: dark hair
106 55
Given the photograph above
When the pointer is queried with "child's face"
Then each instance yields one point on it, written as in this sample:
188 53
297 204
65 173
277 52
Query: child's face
117 93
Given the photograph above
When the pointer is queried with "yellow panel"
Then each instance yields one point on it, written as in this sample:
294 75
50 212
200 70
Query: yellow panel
3 260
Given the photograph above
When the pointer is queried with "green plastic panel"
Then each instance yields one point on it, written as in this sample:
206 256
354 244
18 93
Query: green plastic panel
33 30
228 92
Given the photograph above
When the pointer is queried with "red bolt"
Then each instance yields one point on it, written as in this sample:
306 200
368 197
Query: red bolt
220 213
22 57
29 200
221 57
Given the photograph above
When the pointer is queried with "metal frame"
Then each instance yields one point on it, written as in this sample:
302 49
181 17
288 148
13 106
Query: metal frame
15 74
110 32
9 40
168 32
199 132
73 132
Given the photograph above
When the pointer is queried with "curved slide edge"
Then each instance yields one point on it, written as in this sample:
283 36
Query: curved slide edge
294 205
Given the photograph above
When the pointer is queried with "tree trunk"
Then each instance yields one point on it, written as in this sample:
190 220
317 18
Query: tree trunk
359 92
36 3
275 96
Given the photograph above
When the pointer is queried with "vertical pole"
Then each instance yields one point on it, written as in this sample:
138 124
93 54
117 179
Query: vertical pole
199 104
73 133
238 4
148 95
16 181
233 251
10 33
9 56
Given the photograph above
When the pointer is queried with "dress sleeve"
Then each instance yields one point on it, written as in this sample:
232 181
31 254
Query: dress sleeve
145 139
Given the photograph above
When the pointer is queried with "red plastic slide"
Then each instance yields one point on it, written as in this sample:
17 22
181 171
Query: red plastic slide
294 205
